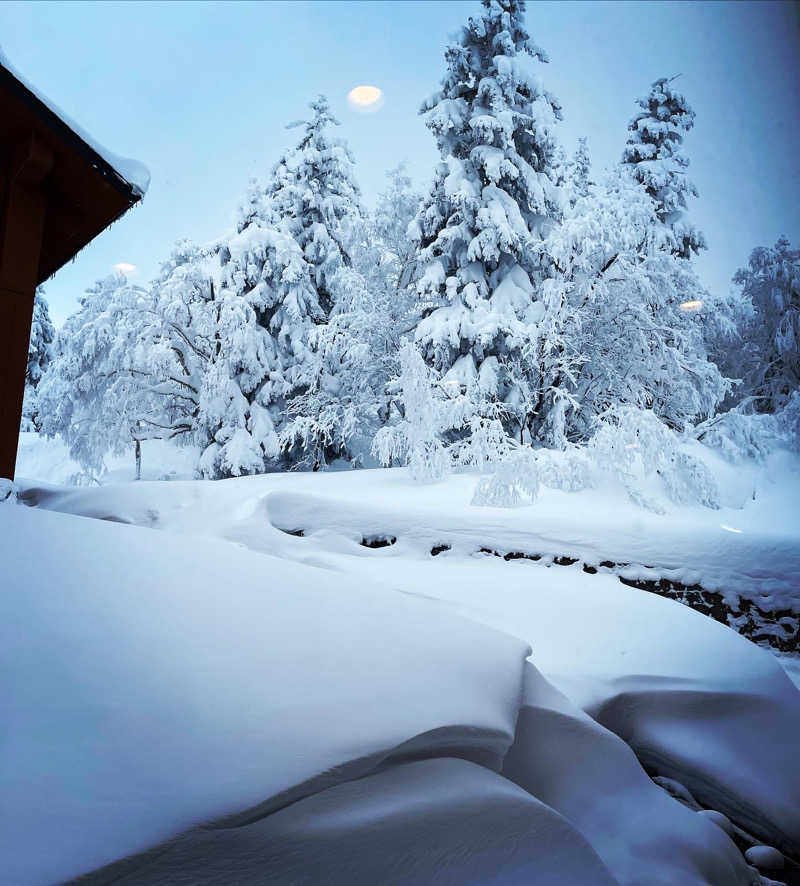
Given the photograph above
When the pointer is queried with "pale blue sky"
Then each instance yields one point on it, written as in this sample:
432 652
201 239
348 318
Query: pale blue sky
201 94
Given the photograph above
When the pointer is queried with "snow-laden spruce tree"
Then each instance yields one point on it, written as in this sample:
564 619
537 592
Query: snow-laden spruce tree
40 351
261 313
655 157
313 197
481 229
277 283
580 171
96 393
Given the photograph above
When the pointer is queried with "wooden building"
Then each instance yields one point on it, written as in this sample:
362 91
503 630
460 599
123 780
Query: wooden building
57 192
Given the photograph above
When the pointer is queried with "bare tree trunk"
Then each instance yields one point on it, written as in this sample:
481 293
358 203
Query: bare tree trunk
138 451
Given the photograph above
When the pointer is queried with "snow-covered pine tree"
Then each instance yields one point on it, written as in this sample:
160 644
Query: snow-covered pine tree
262 308
40 351
580 171
313 197
655 157
480 230
277 283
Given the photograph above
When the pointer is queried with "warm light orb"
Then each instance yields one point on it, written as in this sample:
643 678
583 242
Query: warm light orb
124 267
693 305
365 98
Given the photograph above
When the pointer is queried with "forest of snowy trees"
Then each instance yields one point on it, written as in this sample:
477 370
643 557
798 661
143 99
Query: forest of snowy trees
525 303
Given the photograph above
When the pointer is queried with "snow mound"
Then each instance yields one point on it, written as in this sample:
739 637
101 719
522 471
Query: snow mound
445 821
175 683
633 825
696 701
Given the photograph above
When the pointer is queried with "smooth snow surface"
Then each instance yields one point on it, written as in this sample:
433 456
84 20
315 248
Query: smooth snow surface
441 821
168 684
222 667
133 172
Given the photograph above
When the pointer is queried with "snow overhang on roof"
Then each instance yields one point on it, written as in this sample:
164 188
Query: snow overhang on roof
88 188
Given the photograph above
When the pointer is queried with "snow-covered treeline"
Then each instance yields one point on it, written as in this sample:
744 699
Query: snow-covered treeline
523 302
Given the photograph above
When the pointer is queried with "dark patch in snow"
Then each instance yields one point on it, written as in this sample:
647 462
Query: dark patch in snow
511 555
518 555
378 541
439 549
298 533
779 629
113 518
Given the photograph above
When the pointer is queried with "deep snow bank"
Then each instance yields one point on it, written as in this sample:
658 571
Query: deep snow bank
682 689
150 683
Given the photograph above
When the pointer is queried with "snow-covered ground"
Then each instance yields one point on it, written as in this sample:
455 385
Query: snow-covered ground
227 667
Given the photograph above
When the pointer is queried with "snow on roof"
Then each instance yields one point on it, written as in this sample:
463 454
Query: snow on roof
136 174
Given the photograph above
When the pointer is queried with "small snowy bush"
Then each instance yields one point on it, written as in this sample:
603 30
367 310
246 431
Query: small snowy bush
569 471
415 440
487 444
514 484
739 435
689 481
633 445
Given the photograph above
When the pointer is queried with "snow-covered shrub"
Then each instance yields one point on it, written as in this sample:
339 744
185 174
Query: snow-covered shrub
486 444
688 480
569 470
8 491
515 482
739 434
416 439
633 446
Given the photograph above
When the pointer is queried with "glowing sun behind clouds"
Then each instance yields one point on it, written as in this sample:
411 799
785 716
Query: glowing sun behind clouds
365 99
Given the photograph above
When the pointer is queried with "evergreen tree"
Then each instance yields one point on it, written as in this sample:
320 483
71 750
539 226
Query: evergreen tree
654 155
481 230
313 197
40 352
580 169
277 284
